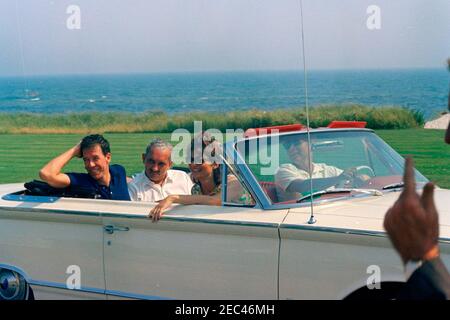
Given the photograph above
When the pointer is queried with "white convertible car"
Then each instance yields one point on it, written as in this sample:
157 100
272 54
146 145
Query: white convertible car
326 242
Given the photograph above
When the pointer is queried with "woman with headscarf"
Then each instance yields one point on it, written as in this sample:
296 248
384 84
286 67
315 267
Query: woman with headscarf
206 175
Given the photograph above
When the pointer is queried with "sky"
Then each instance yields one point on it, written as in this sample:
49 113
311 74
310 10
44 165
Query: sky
140 36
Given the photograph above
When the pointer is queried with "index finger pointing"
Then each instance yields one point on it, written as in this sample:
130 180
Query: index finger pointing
408 177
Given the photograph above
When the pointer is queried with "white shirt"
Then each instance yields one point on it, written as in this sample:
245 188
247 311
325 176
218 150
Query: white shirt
143 189
288 173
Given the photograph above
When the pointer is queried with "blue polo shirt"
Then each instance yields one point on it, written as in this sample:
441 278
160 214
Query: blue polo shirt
117 189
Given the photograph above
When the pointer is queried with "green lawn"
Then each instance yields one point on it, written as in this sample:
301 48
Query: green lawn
431 154
21 156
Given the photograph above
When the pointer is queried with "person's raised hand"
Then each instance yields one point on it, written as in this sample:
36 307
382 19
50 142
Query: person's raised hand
77 150
412 222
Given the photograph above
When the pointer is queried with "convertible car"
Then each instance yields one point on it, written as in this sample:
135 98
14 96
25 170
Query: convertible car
299 238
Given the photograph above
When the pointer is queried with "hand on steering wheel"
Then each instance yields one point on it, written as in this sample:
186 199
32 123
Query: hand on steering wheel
347 178
351 179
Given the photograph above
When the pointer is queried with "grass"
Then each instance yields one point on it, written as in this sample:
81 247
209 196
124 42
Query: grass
22 155
389 117
431 154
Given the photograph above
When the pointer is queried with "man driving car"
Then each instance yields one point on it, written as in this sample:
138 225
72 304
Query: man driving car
294 177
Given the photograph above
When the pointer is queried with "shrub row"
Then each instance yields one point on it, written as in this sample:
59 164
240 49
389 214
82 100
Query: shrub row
388 117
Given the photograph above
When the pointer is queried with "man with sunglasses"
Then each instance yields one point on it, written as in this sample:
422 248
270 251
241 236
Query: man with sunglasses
294 178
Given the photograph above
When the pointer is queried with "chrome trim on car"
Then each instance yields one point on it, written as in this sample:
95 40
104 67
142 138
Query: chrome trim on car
27 198
324 201
52 211
224 222
334 230
135 296
248 177
224 183
96 291
34 282
145 217
379 234
57 285
197 220
225 170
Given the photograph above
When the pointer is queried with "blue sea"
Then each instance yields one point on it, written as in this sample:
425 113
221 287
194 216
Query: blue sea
421 89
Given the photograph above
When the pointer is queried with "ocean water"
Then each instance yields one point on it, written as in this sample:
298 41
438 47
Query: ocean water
421 89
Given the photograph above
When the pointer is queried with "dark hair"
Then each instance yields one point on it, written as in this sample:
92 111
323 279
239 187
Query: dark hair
217 172
288 141
94 139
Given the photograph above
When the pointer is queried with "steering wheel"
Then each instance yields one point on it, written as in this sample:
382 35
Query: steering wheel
372 173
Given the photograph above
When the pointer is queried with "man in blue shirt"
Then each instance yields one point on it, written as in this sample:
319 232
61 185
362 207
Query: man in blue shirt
107 181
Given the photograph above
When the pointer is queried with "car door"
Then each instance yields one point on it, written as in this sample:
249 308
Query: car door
334 256
55 243
193 252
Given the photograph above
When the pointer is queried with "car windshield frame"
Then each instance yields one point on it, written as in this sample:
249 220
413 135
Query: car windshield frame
263 200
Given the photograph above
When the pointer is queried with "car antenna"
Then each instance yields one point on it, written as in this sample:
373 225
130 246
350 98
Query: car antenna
312 219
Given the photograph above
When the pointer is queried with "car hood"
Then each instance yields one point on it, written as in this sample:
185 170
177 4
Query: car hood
366 213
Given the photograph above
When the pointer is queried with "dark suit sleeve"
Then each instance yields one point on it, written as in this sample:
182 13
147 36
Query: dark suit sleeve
430 282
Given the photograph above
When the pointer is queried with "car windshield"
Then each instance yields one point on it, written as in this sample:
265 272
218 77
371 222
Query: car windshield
342 161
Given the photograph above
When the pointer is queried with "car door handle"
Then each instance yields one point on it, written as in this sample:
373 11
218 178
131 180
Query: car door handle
109 229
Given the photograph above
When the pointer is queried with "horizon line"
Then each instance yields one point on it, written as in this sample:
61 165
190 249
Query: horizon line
215 71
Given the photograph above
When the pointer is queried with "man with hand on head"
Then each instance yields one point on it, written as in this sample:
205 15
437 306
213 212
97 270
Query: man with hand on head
108 181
